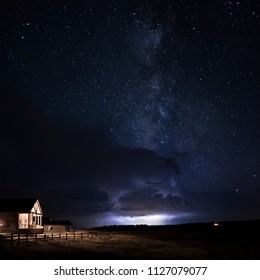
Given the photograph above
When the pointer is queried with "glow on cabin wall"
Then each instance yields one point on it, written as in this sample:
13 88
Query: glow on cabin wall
23 220
36 216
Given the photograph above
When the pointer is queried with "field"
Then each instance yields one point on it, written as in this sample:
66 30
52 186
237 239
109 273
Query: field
229 240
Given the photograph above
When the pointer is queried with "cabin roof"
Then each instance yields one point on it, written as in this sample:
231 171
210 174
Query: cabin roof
17 204
54 222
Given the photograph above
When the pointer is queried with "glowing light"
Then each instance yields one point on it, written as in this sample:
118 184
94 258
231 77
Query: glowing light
155 219
111 218
159 219
216 225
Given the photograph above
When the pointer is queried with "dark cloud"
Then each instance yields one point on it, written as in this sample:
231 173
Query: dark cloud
148 201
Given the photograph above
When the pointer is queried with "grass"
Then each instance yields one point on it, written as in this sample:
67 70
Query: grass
194 241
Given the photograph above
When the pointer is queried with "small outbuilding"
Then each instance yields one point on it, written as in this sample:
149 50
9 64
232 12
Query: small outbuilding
21 215
50 226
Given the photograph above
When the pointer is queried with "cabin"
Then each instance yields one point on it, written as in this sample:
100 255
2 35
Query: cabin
51 226
21 216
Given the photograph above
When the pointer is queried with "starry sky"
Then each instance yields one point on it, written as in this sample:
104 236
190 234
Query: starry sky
131 112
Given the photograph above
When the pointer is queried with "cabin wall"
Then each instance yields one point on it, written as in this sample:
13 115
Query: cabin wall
29 222
56 228
23 220
8 222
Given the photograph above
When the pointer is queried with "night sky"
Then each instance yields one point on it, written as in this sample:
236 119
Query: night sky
131 112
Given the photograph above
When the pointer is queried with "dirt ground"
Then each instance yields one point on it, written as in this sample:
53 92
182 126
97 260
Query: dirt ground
193 241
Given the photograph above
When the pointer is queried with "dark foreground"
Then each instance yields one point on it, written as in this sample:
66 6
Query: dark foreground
230 240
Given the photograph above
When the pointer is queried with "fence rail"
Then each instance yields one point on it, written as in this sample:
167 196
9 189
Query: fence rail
17 238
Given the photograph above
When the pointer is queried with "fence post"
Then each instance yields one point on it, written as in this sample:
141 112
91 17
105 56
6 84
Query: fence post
52 236
74 235
36 237
59 235
45 237
18 238
27 237
66 236
12 239
82 235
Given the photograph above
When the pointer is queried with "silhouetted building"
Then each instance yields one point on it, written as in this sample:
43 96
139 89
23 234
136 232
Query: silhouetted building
21 215
50 225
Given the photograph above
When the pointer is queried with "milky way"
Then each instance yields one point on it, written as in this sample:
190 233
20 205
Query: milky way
132 111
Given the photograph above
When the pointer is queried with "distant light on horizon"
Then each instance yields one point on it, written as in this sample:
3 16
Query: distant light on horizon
113 218
159 219
154 219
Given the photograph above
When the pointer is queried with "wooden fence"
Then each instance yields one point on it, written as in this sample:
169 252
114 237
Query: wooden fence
17 238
